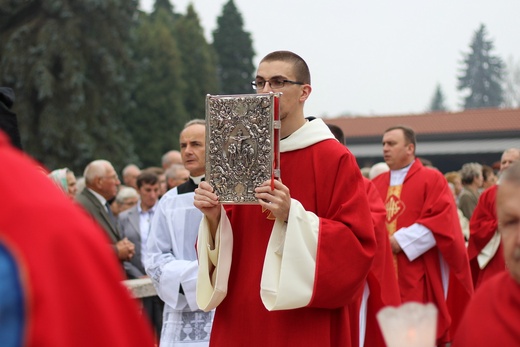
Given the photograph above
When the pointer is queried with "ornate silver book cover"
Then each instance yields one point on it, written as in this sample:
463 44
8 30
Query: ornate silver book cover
242 144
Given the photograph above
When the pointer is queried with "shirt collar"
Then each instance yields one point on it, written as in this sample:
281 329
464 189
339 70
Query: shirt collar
98 196
197 179
140 209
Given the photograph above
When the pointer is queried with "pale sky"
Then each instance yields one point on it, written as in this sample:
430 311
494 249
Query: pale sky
372 57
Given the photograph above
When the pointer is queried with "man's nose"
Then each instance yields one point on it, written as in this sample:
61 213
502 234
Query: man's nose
266 88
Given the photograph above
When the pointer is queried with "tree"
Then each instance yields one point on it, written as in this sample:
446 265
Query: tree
198 61
158 114
512 84
68 63
234 51
481 75
438 100
166 8
163 4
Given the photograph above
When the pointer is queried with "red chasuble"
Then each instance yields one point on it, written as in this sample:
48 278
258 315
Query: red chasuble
492 317
67 280
326 180
382 280
425 198
482 226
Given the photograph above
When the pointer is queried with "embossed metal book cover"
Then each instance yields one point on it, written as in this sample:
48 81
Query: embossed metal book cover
242 144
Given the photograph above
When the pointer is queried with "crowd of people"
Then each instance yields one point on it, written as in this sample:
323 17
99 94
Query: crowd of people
325 248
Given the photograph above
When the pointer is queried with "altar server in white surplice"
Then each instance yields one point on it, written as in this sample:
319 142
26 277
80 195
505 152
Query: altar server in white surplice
171 258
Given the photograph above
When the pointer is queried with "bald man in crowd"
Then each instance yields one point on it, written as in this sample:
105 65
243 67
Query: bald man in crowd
171 157
176 175
130 173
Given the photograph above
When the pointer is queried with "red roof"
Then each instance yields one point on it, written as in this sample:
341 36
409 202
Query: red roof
468 121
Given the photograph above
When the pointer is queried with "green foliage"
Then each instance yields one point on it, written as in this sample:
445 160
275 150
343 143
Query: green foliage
99 79
235 52
164 5
68 64
199 63
158 114
512 83
481 74
438 102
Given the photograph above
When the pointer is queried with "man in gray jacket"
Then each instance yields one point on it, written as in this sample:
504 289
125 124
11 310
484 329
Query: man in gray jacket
101 184
134 224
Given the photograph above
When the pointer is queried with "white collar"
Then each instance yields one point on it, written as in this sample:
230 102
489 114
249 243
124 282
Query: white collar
98 196
307 135
197 179
397 176
140 209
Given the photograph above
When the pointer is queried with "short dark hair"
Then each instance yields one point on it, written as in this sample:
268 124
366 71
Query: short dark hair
487 171
300 67
337 132
147 177
409 134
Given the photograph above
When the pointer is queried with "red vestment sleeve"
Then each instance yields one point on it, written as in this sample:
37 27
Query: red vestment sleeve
483 223
346 241
382 279
71 279
492 317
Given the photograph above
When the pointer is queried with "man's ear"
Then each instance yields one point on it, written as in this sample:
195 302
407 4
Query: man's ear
411 148
305 92
97 182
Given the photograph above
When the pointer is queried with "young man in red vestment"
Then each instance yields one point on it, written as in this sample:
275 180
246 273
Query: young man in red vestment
484 248
290 270
60 285
492 317
422 220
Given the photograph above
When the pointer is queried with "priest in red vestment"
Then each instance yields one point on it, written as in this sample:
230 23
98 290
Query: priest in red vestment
60 284
290 270
429 252
484 247
492 317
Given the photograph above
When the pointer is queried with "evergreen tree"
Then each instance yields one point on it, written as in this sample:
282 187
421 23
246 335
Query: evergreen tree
158 114
163 4
438 102
68 63
198 61
234 51
166 7
481 74
512 84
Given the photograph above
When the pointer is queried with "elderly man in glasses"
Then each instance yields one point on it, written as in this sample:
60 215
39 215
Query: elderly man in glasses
289 271
101 186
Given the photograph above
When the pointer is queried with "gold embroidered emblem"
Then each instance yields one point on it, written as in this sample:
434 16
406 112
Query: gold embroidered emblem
270 215
394 208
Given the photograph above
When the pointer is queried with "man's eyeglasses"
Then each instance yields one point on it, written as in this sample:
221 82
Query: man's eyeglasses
113 177
275 83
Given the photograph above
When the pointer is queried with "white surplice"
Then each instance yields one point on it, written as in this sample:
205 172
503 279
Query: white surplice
171 263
